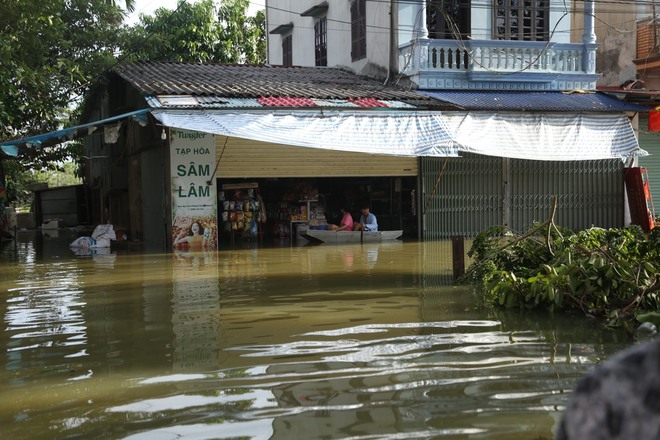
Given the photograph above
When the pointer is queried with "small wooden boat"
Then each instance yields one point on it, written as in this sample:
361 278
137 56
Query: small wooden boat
326 236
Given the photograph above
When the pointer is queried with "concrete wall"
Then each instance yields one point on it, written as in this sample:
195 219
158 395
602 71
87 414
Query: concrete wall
615 32
615 28
25 220
281 12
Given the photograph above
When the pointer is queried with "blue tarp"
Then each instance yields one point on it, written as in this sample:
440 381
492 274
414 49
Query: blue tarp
11 148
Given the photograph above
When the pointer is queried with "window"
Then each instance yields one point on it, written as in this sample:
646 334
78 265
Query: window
287 50
448 19
358 29
522 20
321 41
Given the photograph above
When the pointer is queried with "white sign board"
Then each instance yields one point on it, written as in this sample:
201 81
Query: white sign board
194 199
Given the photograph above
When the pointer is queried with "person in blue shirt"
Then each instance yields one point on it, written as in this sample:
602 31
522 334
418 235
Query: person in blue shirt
367 221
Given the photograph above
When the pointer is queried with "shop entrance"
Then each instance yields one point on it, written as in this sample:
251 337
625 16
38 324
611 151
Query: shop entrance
281 208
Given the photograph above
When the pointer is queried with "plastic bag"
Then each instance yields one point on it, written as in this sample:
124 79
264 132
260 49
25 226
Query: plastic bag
83 243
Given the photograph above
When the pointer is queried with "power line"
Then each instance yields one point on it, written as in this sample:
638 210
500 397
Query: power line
380 29
550 9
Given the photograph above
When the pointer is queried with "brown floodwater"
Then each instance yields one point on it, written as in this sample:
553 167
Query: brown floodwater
275 342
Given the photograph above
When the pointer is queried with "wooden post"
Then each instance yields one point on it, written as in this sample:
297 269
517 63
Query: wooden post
458 255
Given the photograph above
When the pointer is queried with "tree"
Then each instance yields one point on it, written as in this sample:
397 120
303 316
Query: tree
54 52
130 4
202 32
243 38
50 53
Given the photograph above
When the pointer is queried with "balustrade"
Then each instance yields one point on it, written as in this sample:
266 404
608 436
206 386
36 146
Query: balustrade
496 57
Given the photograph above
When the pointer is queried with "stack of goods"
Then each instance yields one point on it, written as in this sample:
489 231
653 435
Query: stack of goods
240 214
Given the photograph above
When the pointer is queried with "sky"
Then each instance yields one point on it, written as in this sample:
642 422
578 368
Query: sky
149 6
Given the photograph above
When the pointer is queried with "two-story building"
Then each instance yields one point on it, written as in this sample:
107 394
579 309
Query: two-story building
507 63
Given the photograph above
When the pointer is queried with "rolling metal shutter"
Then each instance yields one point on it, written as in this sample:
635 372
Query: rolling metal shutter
238 158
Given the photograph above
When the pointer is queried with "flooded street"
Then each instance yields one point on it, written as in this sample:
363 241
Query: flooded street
283 342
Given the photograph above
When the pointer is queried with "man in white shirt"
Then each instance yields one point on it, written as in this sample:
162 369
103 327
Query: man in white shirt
367 221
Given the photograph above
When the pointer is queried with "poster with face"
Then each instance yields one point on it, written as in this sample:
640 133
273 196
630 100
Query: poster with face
194 206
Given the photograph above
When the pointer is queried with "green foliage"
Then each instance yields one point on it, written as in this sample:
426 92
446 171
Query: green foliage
54 52
50 53
614 273
20 180
201 32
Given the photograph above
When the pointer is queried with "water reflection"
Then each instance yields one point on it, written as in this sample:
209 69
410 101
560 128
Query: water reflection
195 311
315 342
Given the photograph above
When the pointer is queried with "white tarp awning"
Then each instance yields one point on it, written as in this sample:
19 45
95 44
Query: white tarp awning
400 134
536 136
548 136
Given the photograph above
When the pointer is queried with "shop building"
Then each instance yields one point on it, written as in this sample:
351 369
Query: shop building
261 152
476 54
481 113
287 147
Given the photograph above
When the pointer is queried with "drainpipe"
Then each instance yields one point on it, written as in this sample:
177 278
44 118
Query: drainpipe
589 38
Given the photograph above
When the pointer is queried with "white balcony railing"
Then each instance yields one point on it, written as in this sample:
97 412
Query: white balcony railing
465 62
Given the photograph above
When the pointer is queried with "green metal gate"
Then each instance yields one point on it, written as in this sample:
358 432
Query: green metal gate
463 196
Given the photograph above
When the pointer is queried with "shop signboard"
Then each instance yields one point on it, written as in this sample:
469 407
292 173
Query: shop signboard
194 205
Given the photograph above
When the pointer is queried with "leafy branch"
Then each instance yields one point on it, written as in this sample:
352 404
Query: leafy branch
613 273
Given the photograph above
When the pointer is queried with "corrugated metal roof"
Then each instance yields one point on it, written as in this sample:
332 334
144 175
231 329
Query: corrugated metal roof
533 101
241 102
367 102
285 101
334 103
253 81
205 102
398 104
